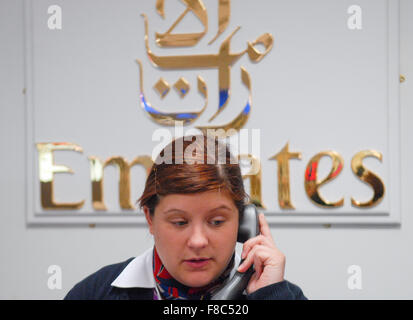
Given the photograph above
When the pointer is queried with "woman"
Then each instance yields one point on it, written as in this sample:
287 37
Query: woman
193 200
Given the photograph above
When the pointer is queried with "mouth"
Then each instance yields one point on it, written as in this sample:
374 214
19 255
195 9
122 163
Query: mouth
197 262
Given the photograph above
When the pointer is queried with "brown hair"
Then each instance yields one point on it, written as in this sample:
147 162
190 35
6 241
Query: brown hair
204 165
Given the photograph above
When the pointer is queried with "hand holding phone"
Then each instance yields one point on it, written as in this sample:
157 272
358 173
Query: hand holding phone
262 263
268 260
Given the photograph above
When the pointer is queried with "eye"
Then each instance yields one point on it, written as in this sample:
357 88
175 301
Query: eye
217 222
179 223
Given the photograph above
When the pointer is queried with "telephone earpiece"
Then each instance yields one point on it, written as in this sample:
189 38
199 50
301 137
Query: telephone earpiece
248 228
249 225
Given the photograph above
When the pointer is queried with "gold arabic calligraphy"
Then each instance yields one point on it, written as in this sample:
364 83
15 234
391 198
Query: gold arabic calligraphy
221 61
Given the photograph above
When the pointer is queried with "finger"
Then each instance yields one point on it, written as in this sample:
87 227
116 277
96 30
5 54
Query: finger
264 227
244 266
258 265
252 283
250 243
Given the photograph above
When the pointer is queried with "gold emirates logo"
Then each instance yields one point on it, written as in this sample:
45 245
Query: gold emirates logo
222 61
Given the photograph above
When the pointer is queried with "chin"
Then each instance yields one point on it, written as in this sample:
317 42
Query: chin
197 280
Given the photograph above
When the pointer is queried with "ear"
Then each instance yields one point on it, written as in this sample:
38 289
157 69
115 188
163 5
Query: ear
148 219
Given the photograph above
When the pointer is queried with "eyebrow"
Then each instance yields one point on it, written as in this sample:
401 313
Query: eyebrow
183 211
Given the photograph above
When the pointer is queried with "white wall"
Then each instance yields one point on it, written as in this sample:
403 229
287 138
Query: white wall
317 257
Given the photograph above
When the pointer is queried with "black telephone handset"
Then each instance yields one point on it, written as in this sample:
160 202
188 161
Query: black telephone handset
248 228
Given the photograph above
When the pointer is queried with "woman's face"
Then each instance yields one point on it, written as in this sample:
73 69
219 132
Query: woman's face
195 235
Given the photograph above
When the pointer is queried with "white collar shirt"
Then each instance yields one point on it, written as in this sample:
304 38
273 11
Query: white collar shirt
139 273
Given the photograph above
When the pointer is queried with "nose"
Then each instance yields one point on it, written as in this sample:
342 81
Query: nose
198 238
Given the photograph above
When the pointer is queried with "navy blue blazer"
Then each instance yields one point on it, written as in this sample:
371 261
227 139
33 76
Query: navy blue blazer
98 286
